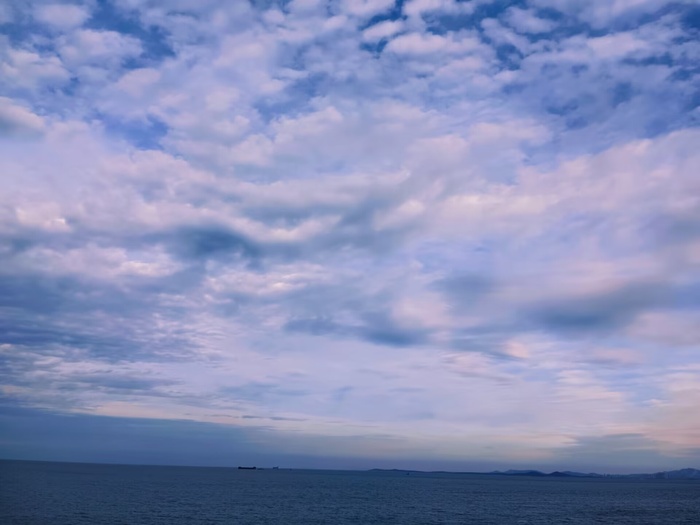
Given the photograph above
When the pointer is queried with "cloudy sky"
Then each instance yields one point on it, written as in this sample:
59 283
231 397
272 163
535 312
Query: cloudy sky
351 233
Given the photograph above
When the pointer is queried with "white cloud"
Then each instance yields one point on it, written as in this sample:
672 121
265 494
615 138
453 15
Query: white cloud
26 69
525 21
137 81
101 48
617 45
446 7
603 12
426 44
382 30
62 16
502 35
366 8
16 121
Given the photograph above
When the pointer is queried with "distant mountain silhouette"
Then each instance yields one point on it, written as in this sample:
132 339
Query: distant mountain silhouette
686 473
512 472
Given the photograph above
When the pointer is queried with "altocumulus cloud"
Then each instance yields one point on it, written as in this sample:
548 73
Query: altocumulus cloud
351 232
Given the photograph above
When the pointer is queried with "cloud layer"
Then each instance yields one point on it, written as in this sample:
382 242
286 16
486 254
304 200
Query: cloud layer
458 229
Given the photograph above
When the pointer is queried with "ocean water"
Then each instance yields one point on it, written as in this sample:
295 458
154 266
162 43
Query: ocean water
76 494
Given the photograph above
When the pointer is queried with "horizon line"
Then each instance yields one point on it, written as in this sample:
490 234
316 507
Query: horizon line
276 467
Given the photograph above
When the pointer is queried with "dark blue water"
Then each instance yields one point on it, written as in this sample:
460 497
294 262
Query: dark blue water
76 494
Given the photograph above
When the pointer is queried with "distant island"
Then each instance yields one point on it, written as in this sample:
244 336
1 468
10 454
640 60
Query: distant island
686 473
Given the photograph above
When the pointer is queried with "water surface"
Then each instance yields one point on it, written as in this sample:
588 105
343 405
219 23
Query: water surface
40 493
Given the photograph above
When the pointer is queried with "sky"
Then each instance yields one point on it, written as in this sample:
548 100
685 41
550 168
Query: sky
433 234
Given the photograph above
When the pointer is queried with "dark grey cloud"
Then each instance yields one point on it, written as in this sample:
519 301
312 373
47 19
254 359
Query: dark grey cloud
600 312
675 229
72 377
317 325
493 321
272 418
43 294
463 291
110 320
475 295
43 303
212 241
615 309
382 329
344 309
373 326
354 229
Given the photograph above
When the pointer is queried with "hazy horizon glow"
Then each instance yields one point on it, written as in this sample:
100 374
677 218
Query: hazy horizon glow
430 234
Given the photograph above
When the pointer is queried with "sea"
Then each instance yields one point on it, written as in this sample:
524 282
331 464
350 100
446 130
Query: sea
37 493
